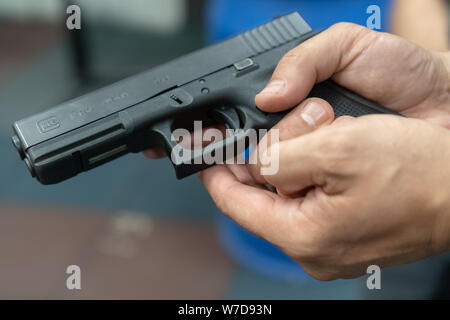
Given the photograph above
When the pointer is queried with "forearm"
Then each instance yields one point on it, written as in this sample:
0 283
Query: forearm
424 22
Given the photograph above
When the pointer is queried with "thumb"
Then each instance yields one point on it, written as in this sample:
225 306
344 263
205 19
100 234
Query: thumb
311 62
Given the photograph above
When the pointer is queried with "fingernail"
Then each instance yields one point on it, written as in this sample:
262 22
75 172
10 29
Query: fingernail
275 86
313 113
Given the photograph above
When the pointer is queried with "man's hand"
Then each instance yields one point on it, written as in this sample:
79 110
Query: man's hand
372 190
379 66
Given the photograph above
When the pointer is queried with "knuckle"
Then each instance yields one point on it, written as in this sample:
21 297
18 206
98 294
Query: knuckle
336 152
292 58
346 27
352 34
291 54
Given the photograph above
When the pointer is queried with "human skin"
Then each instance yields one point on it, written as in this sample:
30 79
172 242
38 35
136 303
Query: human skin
351 192
424 22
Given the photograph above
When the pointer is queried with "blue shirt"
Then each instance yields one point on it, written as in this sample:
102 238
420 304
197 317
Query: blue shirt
229 17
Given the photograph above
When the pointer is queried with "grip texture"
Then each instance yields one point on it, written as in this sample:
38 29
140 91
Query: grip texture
345 102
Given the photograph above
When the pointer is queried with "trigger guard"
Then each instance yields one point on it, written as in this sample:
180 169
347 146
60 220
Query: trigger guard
227 115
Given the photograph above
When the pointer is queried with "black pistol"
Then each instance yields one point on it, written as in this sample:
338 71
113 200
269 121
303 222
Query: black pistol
216 84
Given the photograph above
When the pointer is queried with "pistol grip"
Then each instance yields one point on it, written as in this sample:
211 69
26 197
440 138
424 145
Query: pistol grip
346 102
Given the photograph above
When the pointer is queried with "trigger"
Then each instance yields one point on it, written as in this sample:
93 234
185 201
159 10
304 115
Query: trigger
228 116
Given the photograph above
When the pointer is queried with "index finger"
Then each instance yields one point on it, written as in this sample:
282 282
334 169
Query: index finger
260 211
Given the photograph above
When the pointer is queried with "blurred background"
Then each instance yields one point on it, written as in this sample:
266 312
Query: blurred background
134 230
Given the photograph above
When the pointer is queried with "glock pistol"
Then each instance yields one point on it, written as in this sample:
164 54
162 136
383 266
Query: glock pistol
216 84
